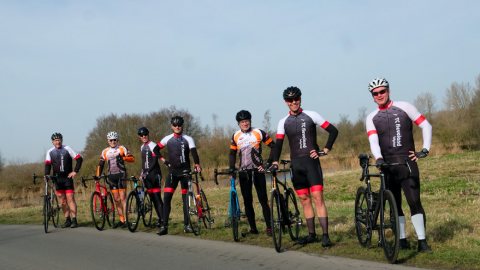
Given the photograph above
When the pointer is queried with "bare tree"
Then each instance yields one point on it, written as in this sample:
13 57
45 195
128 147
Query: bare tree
425 103
266 122
457 98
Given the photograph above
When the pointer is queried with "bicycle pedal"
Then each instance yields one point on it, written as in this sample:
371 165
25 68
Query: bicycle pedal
212 221
227 224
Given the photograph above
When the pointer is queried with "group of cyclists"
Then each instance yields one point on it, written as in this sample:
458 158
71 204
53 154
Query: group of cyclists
389 130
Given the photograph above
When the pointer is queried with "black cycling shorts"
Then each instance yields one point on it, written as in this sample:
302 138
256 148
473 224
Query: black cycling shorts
117 181
153 181
306 175
172 182
64 185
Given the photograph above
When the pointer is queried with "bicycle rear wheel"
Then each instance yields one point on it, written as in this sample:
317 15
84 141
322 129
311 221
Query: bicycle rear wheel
147 211
132 210
96 209
234 215
362 222
109 209
294 219
276 218
389 228
207 219
55 211
193 215
46 212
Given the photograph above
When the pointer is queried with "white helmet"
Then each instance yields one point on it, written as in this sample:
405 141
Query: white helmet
112 135
377 83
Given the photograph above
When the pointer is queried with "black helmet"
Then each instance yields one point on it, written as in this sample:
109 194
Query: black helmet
177 121
292 92
243 115
143 130
56 136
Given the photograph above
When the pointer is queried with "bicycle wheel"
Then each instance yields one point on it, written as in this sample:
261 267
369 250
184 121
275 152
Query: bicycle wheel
55 211
132 210
46 213
193 216
96 209
234 215
147 211
295 221
362 222
276 217
389 228
207 219
109 209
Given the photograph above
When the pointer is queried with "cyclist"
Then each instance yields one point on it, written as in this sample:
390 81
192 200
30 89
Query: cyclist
179 147
115 156
389 130
307 179
61 157
151 173
247 142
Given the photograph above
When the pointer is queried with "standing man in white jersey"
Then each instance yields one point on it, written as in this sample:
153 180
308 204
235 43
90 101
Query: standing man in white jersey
61 157
389 130
300 126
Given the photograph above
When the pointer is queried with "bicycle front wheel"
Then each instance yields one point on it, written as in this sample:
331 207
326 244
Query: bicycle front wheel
193 216
46 213
109 208
207 219
362 223
96 209
276 217
234 215
389 228
132 210
147 211
294 219
55 211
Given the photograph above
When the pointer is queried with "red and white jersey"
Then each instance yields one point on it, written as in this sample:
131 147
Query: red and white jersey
61 159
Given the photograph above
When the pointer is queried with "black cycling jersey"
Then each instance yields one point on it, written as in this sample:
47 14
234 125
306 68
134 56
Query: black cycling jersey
61 159
150 156
179 148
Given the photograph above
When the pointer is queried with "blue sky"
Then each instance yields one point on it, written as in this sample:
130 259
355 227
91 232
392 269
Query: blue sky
65 63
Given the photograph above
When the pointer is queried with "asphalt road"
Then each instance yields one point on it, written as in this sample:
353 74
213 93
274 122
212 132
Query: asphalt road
29 247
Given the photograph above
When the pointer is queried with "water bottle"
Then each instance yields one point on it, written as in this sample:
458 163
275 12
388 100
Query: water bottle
141 194
199 202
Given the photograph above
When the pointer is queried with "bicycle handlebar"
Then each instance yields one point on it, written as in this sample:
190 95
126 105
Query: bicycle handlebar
49 177
94 177
364 159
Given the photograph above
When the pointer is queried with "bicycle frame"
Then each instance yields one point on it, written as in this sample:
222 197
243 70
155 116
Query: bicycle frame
52 208
102 190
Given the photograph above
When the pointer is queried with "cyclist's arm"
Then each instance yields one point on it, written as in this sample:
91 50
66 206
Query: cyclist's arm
101 163
373 138
126 155
232 156
270 143
279 141
332 136
48 167
420 121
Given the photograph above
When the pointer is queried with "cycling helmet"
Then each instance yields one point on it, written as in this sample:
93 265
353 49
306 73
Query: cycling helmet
177 121
143 130
243 115
56 136
292 92
112 135
378 82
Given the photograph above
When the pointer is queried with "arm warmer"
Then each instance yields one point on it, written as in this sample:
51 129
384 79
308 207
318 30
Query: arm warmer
277 150
78 165
100 167
332 136
232 158
48 167
195 156
426 133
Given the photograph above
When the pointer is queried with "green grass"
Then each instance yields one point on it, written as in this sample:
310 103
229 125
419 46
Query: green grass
450 195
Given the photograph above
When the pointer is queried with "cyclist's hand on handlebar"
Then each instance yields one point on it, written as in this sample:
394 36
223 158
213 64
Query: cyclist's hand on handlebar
231 172
45 179
274 168
263 167
379 163
197 168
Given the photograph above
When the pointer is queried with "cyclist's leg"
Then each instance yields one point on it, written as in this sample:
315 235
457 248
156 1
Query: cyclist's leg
246 188
70 194
60 189
315 181
393 184
115 187
301 186
261 187
170 185
184 186
153 185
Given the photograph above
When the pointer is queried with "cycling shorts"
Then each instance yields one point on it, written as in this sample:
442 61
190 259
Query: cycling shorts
399 173
306 175
172 182
64 185
117 181
153 181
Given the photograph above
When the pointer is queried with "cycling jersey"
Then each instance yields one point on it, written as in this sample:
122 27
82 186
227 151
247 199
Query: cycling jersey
179 148
61 158
115 165
150 158
302 133
248 145
390 133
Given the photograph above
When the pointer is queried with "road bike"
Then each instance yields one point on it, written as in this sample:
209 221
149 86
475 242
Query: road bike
102 206
203 209
368 209
51 209
283 208
138 204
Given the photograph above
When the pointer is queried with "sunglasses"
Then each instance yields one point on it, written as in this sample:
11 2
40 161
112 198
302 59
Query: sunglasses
143 135
381 92
292 99
176 125
113 140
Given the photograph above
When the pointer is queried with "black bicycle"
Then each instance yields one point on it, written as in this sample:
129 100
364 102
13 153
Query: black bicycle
367 211
51 209
102 206
138 204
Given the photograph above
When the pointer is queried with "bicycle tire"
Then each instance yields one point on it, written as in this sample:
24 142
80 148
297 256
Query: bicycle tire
234 215
147 211
295 220
132 211
207 219
96 210
389 227
362 222
46 213
193 215
276 219
55 211
110 209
